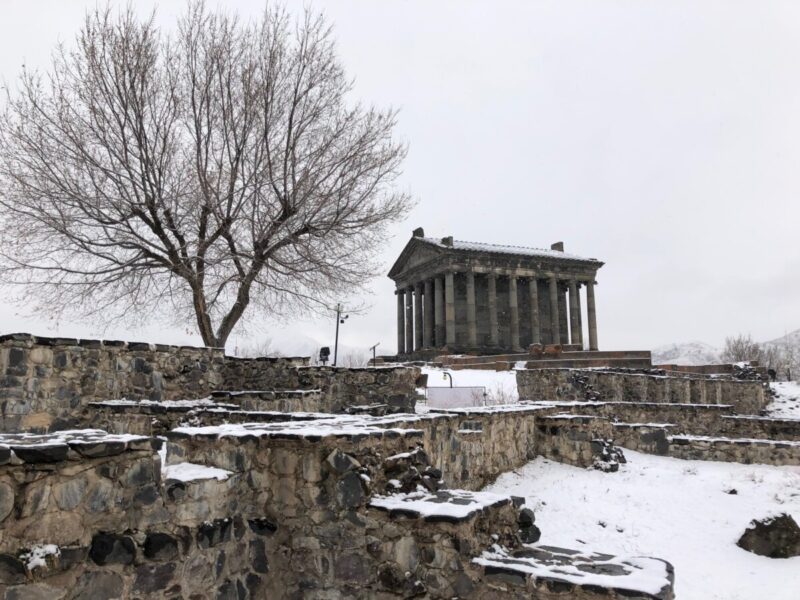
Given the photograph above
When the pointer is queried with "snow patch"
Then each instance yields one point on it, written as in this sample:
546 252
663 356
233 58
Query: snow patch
186 471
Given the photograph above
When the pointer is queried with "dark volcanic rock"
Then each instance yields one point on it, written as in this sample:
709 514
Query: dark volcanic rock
776 537
109 549
160 546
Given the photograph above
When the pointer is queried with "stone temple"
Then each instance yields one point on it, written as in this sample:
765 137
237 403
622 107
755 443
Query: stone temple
489 299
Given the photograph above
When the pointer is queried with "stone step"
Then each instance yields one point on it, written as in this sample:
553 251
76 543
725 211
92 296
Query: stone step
643 355
741 450
663 439
564 362
535 570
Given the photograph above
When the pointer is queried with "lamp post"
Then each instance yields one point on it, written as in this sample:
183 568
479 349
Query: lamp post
374 357
339 320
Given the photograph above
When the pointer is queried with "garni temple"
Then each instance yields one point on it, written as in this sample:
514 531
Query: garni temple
455 296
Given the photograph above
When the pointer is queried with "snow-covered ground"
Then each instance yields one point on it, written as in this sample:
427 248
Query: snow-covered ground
786 405
682 511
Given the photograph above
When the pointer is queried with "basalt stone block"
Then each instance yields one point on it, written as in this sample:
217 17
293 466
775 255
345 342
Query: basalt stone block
153 578
506 575
60 360
16 357
258 556
255 585
70 493
11 570
351 567
98 449
6 500
176 491
340 462
5 455
219 564
101 496
146 496
262 526
227 591
526 517
391 577
349 491
98 585
43 453
775 537
71 556
111 549
138 346
160 546
210 534
141 473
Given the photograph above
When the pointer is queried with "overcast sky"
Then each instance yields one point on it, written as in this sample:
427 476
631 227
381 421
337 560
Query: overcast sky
660 137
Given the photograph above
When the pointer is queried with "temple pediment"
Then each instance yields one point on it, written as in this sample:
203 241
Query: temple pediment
414 254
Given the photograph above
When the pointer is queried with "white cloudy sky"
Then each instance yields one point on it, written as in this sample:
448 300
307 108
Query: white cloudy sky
662 137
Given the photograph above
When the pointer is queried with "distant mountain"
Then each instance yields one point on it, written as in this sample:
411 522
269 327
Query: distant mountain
700 353
688 353
789 340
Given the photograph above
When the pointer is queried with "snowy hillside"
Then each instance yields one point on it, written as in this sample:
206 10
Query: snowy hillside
689 353
791 340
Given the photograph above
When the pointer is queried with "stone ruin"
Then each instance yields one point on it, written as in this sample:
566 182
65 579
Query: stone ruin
141 471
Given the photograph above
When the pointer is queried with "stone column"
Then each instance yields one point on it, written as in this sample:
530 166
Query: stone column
563 314
536 333
580 315
554 320
472 322
401 322
513 311
418 322
410 319
574 309
494 333
590 308
427 333
450 308
438 308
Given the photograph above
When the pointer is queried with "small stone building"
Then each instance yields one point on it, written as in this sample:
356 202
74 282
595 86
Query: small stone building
487 298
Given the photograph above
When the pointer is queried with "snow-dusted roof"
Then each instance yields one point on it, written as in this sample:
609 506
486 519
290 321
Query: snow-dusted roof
504 249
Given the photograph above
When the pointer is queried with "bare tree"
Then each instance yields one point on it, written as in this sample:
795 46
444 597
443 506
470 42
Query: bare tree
741 348
204 173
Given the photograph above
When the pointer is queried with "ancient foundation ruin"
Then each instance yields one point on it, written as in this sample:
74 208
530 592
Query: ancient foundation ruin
141 471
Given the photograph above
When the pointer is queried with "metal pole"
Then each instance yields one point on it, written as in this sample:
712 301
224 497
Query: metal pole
375 353
336 341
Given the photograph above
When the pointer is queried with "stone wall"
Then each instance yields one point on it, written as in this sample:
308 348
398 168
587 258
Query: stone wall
767 452
45 382
342 387
93 520
572 439
746 397
472 447
316 485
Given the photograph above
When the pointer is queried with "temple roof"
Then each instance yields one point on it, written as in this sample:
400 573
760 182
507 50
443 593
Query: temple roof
504 249
421 249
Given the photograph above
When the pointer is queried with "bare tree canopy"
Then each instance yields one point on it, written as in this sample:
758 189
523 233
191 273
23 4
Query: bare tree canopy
202 173
741 348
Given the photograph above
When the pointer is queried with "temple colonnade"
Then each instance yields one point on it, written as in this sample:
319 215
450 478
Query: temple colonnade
469 310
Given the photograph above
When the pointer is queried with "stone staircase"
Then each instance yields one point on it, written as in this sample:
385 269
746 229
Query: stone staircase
570 357
687 431
473 545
